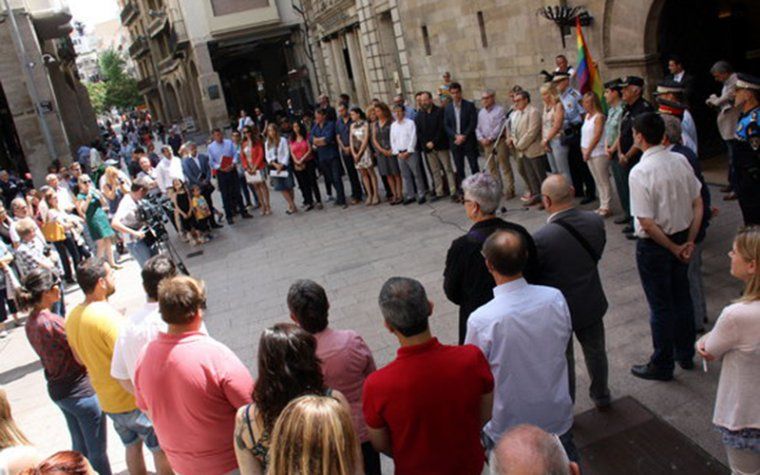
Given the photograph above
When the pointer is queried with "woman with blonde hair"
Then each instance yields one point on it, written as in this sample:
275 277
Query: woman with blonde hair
16 452
277 153
736 340
595 152
314 436
551 131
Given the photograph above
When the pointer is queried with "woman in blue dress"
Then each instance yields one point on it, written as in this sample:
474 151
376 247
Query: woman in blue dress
90 204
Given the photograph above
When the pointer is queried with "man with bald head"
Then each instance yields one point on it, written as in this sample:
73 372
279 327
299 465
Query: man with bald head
523 333
528 450
569 247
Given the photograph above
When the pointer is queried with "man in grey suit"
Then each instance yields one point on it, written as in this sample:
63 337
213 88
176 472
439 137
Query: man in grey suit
569 247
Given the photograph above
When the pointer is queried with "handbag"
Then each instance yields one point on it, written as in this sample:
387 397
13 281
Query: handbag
253 178
53 231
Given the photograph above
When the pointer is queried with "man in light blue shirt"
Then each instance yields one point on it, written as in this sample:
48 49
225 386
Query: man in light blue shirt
523 333
223 159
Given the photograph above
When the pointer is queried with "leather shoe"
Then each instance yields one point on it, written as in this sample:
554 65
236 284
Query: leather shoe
217 226
245 215
230 221
730 197
408 201
631 236
688 365
649 371
627 230
421 201
623 220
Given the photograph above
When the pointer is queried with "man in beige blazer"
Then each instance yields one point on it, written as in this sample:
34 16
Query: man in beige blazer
525 140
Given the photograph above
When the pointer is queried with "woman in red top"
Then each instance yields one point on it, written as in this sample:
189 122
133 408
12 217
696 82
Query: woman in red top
252 157
305 166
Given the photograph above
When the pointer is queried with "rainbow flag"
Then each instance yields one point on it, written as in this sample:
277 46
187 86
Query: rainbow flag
586 73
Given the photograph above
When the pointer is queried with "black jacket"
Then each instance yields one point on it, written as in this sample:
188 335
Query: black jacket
468 121
466 280
430 129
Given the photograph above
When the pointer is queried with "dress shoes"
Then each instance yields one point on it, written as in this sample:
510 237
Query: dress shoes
651 372
627 230
688 365
230 221
408 201
623 220
730 197
421 201
217 226
245 215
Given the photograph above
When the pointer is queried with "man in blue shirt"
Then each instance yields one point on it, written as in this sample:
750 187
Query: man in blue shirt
222 158
583 182
324 140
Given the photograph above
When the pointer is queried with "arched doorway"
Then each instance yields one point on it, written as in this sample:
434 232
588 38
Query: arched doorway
172 103
704 32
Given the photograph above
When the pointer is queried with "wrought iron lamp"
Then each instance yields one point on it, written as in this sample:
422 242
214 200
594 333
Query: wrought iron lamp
565 17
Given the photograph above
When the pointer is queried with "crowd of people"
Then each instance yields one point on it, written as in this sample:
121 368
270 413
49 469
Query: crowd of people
503 397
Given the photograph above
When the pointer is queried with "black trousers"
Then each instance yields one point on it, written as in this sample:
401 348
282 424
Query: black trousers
469 150
592 343
229 186
583 182
371 459
67 248
307 182
353 176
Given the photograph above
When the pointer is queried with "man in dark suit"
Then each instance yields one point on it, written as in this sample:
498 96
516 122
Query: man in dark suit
466 280
460 119
569 247
679 75
433 143
197 171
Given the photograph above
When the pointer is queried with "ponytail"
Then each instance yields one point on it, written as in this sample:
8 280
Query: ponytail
34 286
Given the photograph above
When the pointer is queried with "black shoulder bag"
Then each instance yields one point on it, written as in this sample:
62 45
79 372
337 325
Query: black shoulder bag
581 240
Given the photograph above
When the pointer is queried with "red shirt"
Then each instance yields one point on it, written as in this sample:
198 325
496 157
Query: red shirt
256 160
300 148
429 399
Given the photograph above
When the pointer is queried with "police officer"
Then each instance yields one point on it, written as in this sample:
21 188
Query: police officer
632 88
747 153
671 90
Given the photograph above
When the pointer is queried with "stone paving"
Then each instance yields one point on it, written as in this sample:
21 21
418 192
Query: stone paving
250 266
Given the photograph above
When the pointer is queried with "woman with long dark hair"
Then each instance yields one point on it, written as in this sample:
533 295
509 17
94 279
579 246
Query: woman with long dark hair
67 381
362 155
277 155
288 367
305 166
254 166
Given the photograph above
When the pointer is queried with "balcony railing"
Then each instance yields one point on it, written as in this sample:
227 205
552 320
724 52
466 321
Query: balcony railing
167 65
157 23
138 47
146 84
129 12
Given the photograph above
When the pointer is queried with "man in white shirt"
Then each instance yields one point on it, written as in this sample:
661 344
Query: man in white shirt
62 192
244 121
523 333
144 325
404 147
667 207
168 169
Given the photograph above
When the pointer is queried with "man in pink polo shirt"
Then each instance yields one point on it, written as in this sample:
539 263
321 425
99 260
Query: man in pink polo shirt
191 385
346 358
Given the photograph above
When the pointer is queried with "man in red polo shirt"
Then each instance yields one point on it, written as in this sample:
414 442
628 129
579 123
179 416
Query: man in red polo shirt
427 407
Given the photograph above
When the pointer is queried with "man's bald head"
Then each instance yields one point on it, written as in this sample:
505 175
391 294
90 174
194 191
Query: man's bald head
528 450
506 253
558 189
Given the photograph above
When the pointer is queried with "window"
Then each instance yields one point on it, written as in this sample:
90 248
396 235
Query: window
482 26
426 40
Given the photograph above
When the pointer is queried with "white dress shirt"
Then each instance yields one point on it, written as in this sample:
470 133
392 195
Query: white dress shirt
167 171
678 77
403 136
663 187
523 333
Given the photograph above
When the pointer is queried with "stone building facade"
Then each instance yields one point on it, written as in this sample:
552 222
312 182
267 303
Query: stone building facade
200 61
378 48
63 102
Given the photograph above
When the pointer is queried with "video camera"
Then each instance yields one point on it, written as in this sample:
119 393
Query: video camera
152 211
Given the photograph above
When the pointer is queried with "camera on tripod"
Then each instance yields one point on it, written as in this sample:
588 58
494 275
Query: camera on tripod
153 211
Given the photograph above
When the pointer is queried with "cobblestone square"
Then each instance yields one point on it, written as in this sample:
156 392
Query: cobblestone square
250 266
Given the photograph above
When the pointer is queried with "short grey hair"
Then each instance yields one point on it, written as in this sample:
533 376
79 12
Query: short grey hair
721 67
526 445
673 128
404 305
489 92
484 190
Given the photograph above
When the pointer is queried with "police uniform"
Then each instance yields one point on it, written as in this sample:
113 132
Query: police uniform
747 156
688 126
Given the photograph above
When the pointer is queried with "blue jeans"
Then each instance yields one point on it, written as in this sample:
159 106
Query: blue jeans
87 426
140 251
332 168
666 285
135 426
